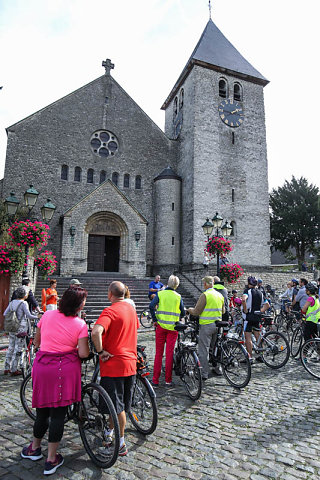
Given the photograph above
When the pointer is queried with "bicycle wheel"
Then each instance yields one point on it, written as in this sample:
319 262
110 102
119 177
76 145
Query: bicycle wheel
26 396
296 341
143 412
27 357
275 349
94 409
146 319
310 357
235 364
190 374
279 321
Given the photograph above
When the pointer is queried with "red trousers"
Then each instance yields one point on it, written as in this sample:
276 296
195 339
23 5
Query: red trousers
163 337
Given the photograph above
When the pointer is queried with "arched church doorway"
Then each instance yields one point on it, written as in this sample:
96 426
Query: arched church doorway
107 238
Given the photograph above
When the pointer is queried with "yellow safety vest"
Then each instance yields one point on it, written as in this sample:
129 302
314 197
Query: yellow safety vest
168 312
313 313
213 309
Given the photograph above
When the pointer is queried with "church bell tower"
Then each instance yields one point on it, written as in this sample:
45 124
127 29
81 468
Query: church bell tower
215 112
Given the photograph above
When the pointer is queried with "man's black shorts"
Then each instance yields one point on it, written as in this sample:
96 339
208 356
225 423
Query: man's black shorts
120 390
252 322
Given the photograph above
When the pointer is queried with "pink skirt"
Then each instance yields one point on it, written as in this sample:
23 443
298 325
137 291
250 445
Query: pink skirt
56 379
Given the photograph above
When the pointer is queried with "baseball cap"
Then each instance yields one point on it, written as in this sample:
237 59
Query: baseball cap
75 281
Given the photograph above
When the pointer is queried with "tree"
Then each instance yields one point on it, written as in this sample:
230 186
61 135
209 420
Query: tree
295 217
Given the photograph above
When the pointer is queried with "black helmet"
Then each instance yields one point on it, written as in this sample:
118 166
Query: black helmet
311 288
252 281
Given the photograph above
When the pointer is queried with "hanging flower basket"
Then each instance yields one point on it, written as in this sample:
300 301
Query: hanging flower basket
218 245
231 272
25 233
11 259
46 263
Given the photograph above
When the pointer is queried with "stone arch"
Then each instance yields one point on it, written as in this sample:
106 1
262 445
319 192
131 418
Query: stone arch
108 223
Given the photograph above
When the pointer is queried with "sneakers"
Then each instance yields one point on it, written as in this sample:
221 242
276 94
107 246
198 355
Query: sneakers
51 467
6 372
259 359
169 384
16 373
108 434
123 450
154 384
33 455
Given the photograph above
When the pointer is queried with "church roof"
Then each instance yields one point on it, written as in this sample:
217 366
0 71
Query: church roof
216 52
167 173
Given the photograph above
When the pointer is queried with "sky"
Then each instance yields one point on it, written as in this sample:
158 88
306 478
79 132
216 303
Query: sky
49 48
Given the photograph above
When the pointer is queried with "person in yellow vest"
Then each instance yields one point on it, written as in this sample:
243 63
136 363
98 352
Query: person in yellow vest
312 310
209 308
170 309
218 285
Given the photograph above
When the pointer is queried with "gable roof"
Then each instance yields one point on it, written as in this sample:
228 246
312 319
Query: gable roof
214 51
103 185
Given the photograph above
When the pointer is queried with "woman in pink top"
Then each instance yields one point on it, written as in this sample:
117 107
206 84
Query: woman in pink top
56 374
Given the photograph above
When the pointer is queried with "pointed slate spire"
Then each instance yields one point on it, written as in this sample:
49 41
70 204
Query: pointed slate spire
215 51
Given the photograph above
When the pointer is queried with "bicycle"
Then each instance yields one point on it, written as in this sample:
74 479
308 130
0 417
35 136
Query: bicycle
143 412
146 319
272 346
230 353
310 356
297 339
186 363
90 414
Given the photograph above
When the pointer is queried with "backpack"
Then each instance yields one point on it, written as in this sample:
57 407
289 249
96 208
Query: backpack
11 321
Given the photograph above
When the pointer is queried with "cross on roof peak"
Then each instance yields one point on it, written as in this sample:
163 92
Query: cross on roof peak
108 65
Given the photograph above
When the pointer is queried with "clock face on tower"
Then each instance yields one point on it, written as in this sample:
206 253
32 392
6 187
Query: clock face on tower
231 113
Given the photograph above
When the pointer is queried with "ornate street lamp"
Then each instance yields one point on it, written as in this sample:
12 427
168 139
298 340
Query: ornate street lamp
207 228
31 197
216 224
11 204
47 210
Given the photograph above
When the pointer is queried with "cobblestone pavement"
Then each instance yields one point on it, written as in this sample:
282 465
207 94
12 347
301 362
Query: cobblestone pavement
271 430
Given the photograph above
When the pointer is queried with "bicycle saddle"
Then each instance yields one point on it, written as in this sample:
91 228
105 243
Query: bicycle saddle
180 327
222 324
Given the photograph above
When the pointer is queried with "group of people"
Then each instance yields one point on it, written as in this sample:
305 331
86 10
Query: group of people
303 296
166 308
62 341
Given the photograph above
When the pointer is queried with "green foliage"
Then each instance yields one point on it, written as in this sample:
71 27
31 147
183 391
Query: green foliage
295 217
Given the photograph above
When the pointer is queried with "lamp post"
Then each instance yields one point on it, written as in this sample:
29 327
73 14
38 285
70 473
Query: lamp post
30 197
216 224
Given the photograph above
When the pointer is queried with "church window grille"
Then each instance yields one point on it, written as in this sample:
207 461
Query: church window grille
115 178
223 88
90 175
181 98
104 143
175 107
237 92
64 172
172 206
77 174
172 241
232 136
138 182
232 195
126 180
103 176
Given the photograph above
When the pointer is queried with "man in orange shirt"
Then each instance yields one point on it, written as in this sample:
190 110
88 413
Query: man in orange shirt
52 296
115 339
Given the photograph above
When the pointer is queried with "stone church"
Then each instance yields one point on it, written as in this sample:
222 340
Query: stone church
131 198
